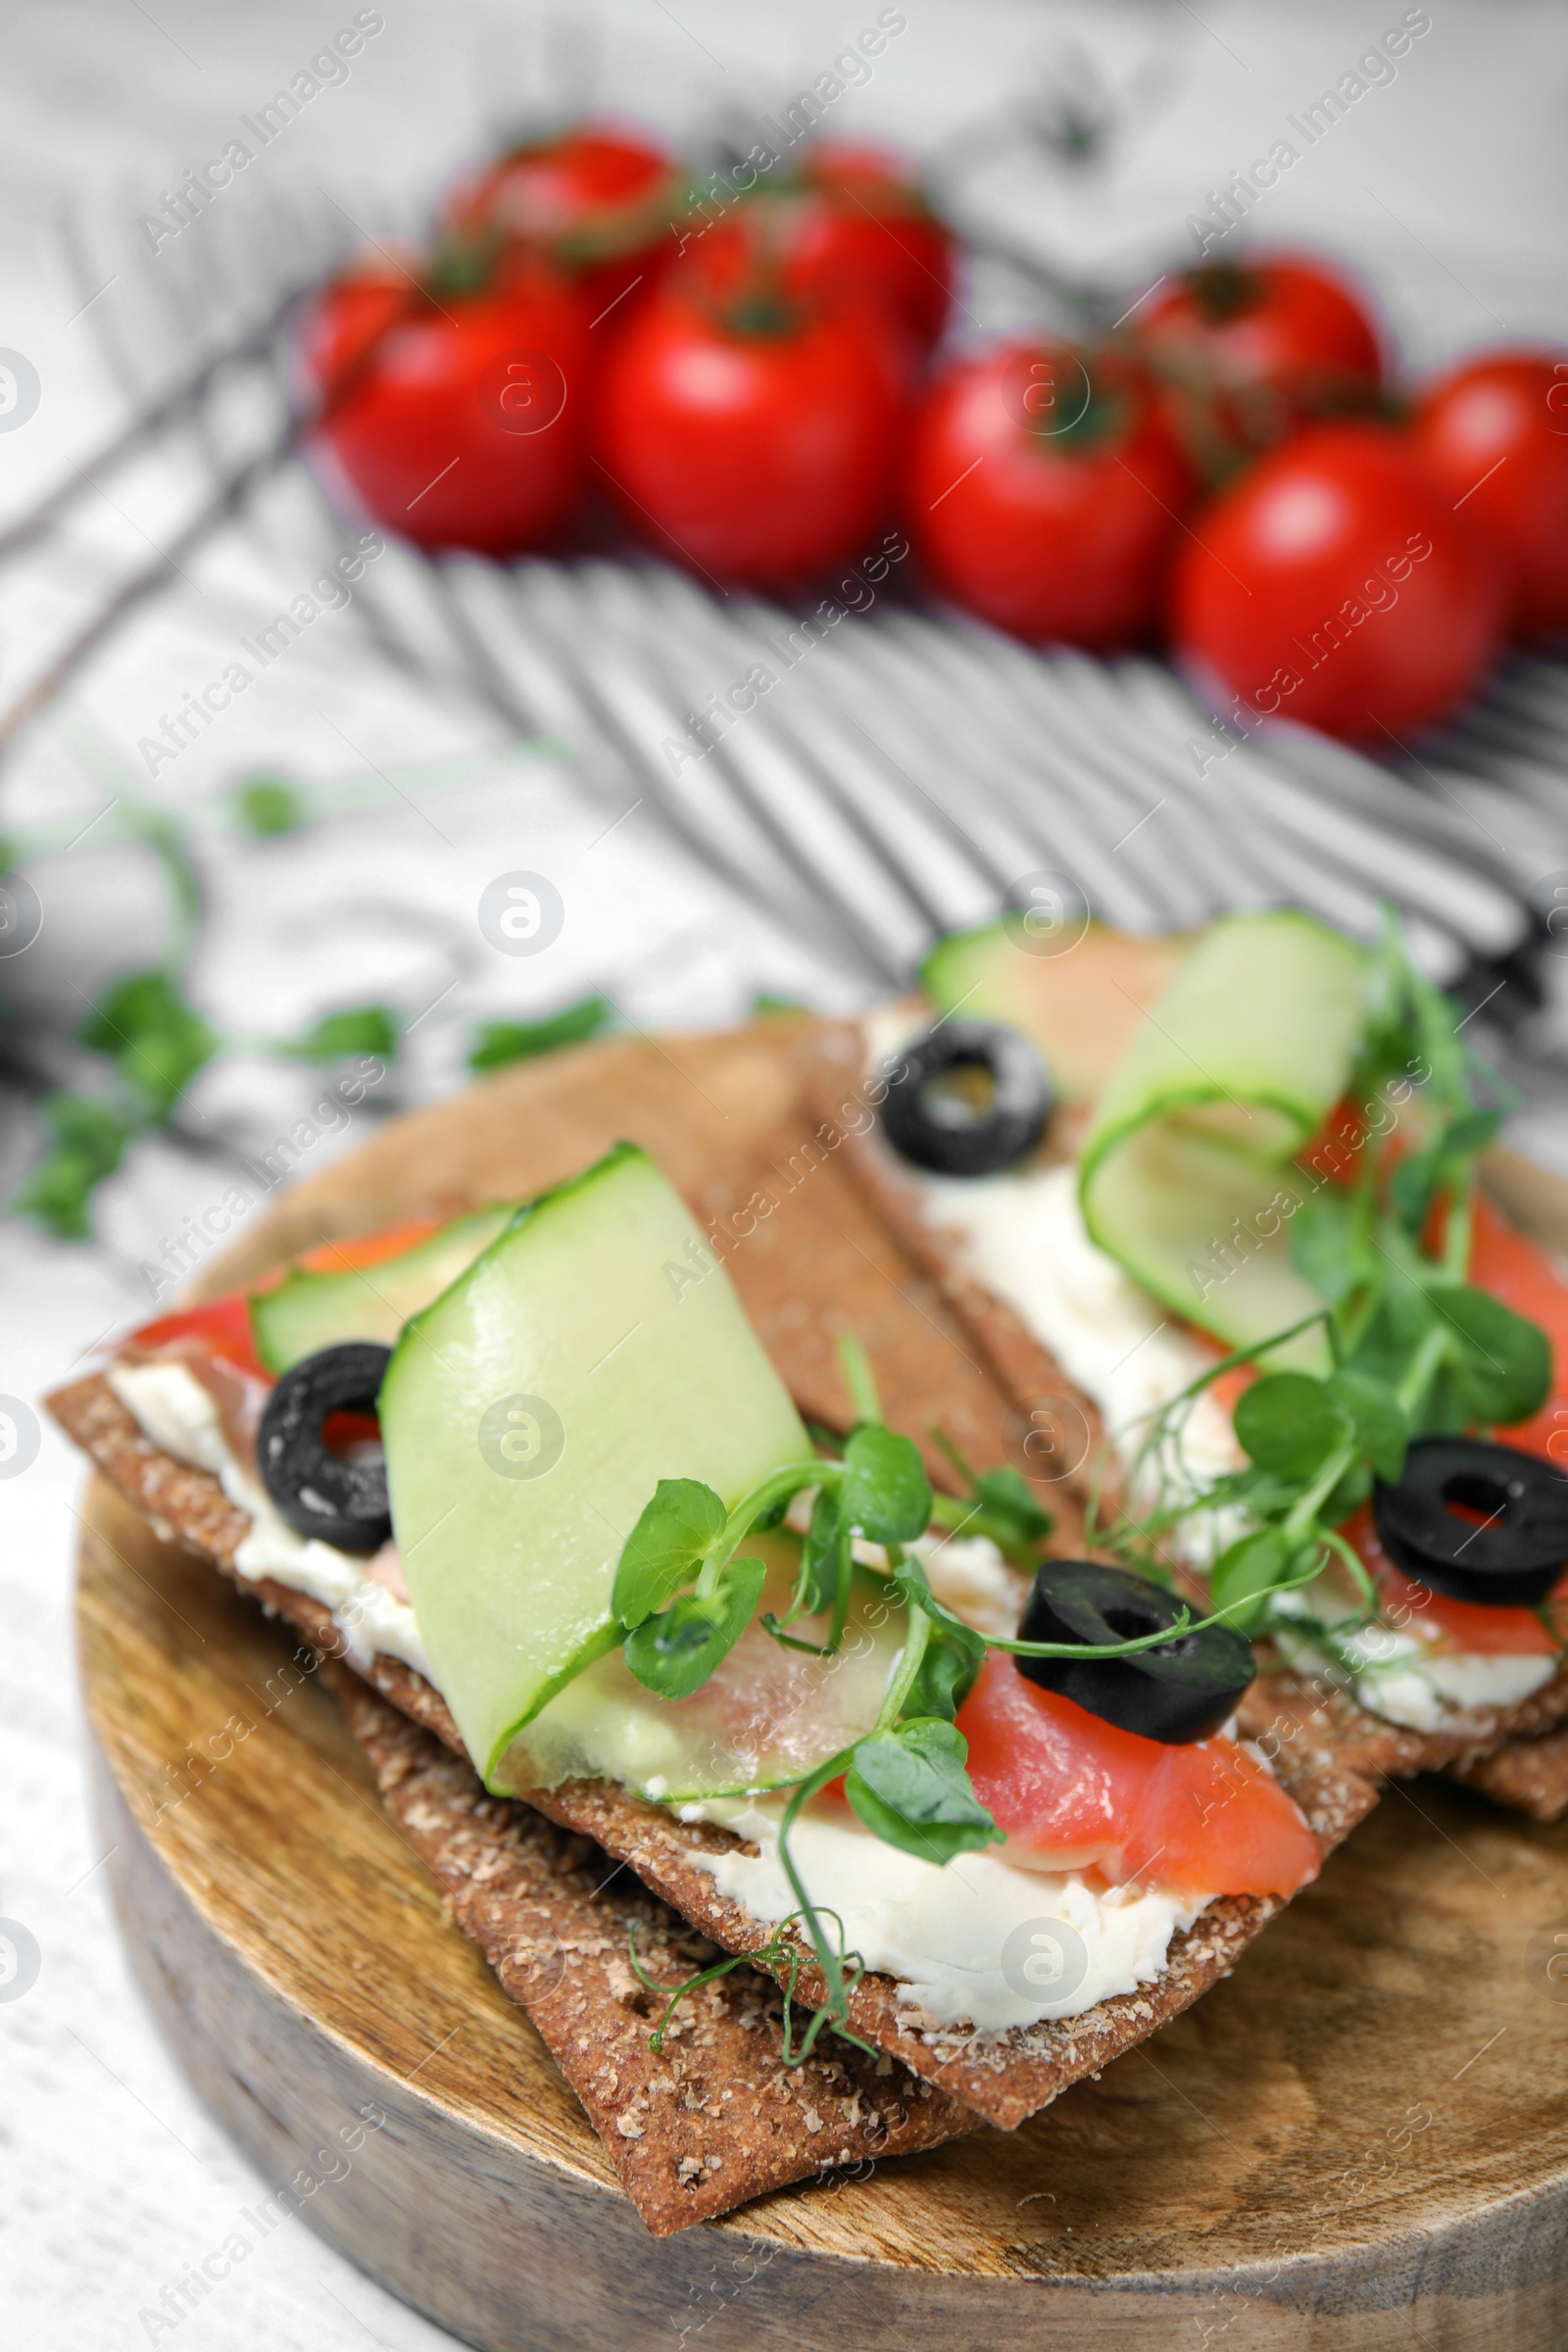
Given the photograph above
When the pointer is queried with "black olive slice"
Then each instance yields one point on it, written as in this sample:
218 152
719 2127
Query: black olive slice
969 1097
340 1501
1180 1691
1475 1520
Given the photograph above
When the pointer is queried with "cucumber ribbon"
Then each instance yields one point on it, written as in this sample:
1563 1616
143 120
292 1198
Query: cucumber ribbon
1188 1177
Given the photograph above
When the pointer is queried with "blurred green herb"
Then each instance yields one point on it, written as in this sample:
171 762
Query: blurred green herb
87 1141
496 1043
266 805
365 1029
153 1040
765 1008
150 1036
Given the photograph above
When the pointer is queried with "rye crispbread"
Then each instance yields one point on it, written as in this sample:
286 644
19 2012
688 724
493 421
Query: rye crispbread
717 2116
1004 2078
1528 1775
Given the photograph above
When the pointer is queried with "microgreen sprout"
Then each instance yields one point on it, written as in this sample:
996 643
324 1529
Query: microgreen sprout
683 1596
1411 1348
780 1955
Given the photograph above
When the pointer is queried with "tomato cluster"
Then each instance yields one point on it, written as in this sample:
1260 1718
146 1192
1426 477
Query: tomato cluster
746 374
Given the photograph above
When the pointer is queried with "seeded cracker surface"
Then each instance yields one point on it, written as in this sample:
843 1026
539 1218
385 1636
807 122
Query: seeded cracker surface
1004 2078
717 2118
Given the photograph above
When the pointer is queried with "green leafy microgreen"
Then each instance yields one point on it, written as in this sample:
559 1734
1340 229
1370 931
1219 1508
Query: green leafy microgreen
1001 1504
667 1548
766 1006
1005 1498
886 1495
1245 1575
1416 1182
1374 1412
1504 1364
951 1655
820 1561
1415 1349
1330 1243
673 1652
1289 1423
910 1788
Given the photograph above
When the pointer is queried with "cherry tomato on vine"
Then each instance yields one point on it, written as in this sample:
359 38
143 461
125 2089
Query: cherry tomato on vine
1494 432
855 224
457 413
844 230
597 198
1334 584
1043 488
753 435
1267 344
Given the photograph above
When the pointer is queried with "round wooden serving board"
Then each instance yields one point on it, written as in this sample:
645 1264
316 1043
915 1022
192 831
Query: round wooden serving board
1360 2139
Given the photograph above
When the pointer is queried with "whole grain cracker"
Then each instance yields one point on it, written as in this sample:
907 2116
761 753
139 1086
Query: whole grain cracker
716 2117
1004 2076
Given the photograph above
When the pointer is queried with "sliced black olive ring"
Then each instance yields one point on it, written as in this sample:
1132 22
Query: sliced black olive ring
969 1097
1477 1521
1178 1691
337 1499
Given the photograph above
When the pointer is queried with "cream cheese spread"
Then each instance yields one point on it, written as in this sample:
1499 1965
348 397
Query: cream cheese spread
170 1406
978 1941
1402 1676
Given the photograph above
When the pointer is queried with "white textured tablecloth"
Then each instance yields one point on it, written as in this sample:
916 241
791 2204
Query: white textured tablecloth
1446 185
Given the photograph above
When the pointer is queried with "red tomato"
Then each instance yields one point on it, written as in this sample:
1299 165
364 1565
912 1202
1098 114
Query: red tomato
754 437
1275 340
1334 585
1043 487
1494 432
874 232
600 200
1075 1794
220 1329
849 225
458 416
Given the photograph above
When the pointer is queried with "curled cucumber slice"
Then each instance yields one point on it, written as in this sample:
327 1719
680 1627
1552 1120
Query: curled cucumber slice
768 1716
1186 1177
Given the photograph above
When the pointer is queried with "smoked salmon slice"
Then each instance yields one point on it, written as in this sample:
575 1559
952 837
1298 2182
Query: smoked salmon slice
1075 1794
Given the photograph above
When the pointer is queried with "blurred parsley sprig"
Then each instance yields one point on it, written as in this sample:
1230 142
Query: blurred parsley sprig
154 1041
